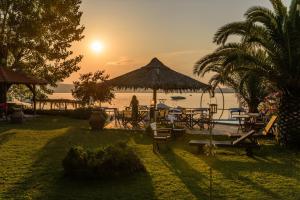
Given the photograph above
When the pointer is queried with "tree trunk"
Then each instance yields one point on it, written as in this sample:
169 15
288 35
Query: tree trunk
253 106
289 121
3 93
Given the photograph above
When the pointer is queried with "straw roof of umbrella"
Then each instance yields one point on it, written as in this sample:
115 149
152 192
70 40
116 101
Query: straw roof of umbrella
8 76
156 75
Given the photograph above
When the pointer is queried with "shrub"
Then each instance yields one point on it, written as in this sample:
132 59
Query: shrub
76 161
97 120
79 113
12 107
65 113
112 161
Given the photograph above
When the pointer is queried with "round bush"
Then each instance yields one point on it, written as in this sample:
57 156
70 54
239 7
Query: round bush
75 163
112 161
98 120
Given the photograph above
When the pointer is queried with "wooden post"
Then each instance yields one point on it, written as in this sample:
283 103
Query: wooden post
154 103
34 100
3 97
154 97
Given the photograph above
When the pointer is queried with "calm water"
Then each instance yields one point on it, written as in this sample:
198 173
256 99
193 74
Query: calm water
193 100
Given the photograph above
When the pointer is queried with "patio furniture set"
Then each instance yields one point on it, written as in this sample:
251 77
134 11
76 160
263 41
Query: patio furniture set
183 117
248 140
251 128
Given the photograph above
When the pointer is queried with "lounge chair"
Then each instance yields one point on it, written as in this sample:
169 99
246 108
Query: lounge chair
246 141
270 128
267 130
160 136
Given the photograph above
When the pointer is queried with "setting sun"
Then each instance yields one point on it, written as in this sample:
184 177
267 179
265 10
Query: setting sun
97 47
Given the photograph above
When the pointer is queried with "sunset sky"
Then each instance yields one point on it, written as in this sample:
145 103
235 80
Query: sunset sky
131 32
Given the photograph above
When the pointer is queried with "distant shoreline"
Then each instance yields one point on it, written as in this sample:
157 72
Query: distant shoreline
66 88
148 91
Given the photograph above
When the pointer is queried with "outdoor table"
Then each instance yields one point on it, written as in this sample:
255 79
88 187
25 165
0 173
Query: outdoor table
242 121
190 116
198 109
253 115
112 110
253 122
201 120
247 121
233 112
173 116
190 122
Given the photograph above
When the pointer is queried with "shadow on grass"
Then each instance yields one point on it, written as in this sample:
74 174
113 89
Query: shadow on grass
271 160
267 161
5 137
5 126
196 182
142 138
46 179
233 170
43 123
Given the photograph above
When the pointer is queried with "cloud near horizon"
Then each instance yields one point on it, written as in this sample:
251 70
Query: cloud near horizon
123 60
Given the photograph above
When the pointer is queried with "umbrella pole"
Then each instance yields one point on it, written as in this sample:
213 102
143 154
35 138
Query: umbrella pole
154 97
154 103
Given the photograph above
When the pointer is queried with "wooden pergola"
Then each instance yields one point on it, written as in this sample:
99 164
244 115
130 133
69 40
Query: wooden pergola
9 77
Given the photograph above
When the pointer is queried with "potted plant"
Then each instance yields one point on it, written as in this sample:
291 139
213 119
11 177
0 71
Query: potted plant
98 120
17 115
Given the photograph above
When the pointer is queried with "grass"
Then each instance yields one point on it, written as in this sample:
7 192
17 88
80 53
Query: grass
31 155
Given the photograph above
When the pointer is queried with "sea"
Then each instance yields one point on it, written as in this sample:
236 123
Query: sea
192 100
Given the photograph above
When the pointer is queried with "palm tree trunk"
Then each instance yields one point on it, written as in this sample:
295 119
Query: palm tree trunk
252 104
253 107
289 121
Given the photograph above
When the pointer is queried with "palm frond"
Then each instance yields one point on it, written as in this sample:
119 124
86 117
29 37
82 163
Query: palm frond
235 28
279 7
269 20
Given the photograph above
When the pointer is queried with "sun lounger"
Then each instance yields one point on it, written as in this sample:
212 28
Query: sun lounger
270 126
267 130
246 141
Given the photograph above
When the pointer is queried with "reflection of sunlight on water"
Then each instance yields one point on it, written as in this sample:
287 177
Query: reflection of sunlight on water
192 100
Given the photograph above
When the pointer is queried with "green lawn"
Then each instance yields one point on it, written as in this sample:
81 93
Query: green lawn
31 155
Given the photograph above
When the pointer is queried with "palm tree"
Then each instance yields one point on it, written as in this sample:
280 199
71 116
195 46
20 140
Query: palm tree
275 37
252 89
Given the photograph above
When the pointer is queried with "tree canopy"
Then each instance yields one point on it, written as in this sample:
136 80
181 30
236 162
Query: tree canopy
93 87
274 33
270 49
36 36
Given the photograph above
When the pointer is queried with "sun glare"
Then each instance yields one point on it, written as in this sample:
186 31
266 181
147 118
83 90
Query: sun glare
97 47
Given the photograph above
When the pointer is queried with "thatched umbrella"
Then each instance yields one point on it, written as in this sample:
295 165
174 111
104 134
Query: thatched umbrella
155 76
